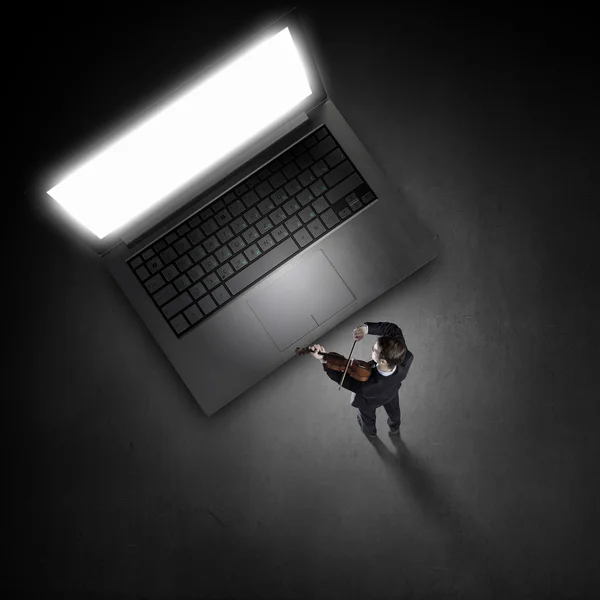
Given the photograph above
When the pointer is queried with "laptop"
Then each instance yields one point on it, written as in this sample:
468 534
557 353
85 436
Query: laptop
242 217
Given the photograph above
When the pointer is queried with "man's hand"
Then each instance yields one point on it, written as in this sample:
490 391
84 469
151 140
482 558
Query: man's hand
316 348
359 333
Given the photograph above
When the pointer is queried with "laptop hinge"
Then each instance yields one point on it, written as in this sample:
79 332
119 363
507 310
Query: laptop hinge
138 231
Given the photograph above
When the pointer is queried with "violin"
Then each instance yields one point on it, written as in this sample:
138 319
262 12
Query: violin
357 369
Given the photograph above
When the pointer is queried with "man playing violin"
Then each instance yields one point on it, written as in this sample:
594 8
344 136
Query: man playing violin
390 365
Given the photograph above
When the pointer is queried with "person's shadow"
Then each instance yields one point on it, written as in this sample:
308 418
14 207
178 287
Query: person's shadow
468 546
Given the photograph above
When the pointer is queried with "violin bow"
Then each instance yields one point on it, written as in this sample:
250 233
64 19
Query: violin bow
347 365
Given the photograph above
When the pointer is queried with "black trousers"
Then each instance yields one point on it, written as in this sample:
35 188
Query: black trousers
392 408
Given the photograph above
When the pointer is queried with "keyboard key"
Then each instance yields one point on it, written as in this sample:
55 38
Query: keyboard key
275 164
286 157
252 215
170 272
278 216
184 263
302 237
237 208
304 197
339 173
298 149
292 187
252 252
211 244
168 255
368 197
322 148
182 282
194 221
193 314
209 227
229 198
310 141
142 273
266 243
238 225
179 324
209 263
136 262
223 217
165 294
239 262
252 181
279 197
195 273
291 170
266 206
223 254
240 189
159 246
182 245
225 235
334 158
264 189
195 236
206 213
291 206
346 186
250 199
321 133
155 264
344 213
279 233
316 228
293 223
304 160
306 177
250 235
262 266
218 205
211 281
277 179
319 168
154 283
320 204
264 225
148 254
207 304
306 214
177 305
197 253
221 295
225 271
318 187
197 290
171 237
237 244
330 219
183 229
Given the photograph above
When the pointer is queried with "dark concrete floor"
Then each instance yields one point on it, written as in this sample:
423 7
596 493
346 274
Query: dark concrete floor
120 486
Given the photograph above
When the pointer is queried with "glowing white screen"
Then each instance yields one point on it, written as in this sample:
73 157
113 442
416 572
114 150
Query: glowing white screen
186 138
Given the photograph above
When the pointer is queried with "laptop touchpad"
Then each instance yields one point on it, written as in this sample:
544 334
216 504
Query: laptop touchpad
301 300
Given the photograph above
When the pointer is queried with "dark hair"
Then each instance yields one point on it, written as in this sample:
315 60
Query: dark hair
392 350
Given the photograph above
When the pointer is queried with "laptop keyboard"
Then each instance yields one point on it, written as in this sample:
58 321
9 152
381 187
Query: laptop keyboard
204 263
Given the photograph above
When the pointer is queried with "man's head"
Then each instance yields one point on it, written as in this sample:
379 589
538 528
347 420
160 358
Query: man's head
388 352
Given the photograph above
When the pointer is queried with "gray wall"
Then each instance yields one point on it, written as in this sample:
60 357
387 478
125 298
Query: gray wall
120 487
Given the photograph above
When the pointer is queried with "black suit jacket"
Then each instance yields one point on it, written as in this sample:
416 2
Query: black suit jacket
379 389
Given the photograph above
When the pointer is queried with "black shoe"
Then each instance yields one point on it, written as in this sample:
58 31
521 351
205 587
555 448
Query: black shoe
393 430
362 427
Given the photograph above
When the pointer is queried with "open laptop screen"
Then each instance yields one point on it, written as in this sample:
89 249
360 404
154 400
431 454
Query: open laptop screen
186 138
